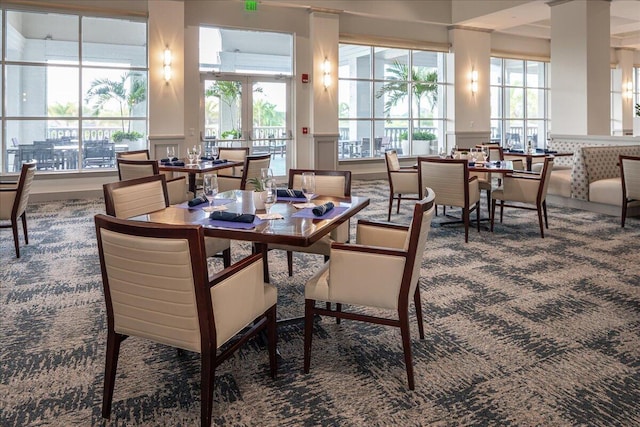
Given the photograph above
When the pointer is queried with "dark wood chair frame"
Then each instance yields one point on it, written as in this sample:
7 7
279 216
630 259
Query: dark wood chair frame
402 321
16 204
392 193
209 357
151 163
125 154
625 199
541 201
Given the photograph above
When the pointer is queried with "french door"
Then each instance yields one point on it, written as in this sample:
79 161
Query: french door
250 111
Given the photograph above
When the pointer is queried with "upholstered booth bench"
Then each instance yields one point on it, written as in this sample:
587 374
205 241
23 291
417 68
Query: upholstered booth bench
603 172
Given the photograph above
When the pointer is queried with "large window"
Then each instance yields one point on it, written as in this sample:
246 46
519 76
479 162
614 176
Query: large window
519 102
76 90
390 98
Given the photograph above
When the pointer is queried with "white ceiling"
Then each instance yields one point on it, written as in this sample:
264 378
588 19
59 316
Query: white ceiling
533 19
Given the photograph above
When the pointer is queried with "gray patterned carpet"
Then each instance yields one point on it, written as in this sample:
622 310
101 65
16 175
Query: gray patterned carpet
520 331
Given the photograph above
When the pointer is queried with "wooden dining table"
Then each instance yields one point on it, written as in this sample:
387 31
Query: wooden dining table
202 166
298 227
538 154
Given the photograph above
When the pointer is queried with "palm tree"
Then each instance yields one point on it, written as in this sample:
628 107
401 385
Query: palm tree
128 92
423 84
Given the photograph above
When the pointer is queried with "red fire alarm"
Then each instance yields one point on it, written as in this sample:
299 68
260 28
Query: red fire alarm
305 78
305 130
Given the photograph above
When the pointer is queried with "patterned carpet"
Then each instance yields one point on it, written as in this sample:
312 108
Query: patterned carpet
519 331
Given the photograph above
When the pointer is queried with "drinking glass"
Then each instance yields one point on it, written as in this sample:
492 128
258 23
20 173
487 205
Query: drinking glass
442 153
266 175
198 151
191 154
454 150
308 185
171 152
269 196
210 189
214 152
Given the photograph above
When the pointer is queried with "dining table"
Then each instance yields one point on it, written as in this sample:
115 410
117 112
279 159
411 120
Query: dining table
202 166
296 226
535 155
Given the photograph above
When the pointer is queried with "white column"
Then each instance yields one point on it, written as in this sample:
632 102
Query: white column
580 67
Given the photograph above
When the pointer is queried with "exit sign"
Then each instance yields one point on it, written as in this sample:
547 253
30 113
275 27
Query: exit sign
251 5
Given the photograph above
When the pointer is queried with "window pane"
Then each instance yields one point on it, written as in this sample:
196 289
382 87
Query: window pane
496 101
496 131
496 71
515 102
426 63
426 99
424 140
43 37
514 72
391 99
354 61
536 133
535 103
125 134
115 42
514 133
114 93
391 64
355 139
355 98
535 74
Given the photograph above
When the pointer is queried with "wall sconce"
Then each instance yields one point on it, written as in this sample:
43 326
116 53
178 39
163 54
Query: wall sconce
167 65
326 73
474 81
627 90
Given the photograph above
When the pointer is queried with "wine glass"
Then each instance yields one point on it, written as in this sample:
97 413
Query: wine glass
214 152
485 154
266 175
269 196
191 154
171 152
308 185
454 149
210 189
198 149
442 153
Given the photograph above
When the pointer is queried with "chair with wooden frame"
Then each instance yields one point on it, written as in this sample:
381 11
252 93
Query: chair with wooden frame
630 175
137 168
528 190
133 155
156 288
328 183
14 198
402 181
381 270
235 154
126 199
453 185
251 169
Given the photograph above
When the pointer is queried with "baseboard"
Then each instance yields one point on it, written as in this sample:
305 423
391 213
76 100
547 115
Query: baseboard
66 195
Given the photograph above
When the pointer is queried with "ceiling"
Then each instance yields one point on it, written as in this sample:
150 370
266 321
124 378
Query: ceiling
533 19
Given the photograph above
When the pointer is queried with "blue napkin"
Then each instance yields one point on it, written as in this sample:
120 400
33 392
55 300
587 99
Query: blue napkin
219 161
168 160
287 192
197 201
233 217
322 209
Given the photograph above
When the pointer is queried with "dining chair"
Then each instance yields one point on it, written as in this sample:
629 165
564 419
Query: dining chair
529 191
126 199
331 183
402 181
251 169
14 198
630 174
453 185
137 168
235 154
133 155
381 270
156 288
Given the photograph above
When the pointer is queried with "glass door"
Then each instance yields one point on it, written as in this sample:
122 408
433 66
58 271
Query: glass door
258 118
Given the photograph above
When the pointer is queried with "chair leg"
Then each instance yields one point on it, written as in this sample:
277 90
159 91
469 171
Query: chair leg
207 381
624 211
290 262
488 202
418 303
540 221
16 240
406 346
398 208
309 305
226 257
493 213
478 216
501 210
24 228
111 365
544 209
390 207
272 337
465 216
338 309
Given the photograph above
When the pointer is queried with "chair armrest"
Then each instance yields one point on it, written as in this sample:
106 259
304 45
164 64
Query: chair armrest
228 182
407 169
535 177
473 178
234 268
381 234
7 189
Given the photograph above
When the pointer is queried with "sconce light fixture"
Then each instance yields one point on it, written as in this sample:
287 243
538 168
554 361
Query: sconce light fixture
167 65
474 81
627 90
326 73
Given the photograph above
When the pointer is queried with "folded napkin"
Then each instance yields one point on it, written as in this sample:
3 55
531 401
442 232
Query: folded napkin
207 158
515 151
197 201
233 217
219 161
168 160
322 209
288 192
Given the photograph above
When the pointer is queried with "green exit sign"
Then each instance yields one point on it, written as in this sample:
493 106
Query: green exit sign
251 5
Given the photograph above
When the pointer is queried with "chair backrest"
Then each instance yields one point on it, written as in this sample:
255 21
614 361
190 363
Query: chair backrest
545 177
391 159
328 182
252 166
23 189
134 168
448 178
630 173
155 281
125 199
133 155
237 154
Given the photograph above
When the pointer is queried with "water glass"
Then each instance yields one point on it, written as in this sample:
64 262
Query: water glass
210 189
171 151
266 175
308 185
269 196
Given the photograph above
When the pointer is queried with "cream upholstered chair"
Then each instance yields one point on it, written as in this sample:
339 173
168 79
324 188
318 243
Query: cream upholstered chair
328 183
529 190
14 197
402 181
630 173
381 270
236 154
453 186
251 169
156 288
137 168
133 155
126 199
